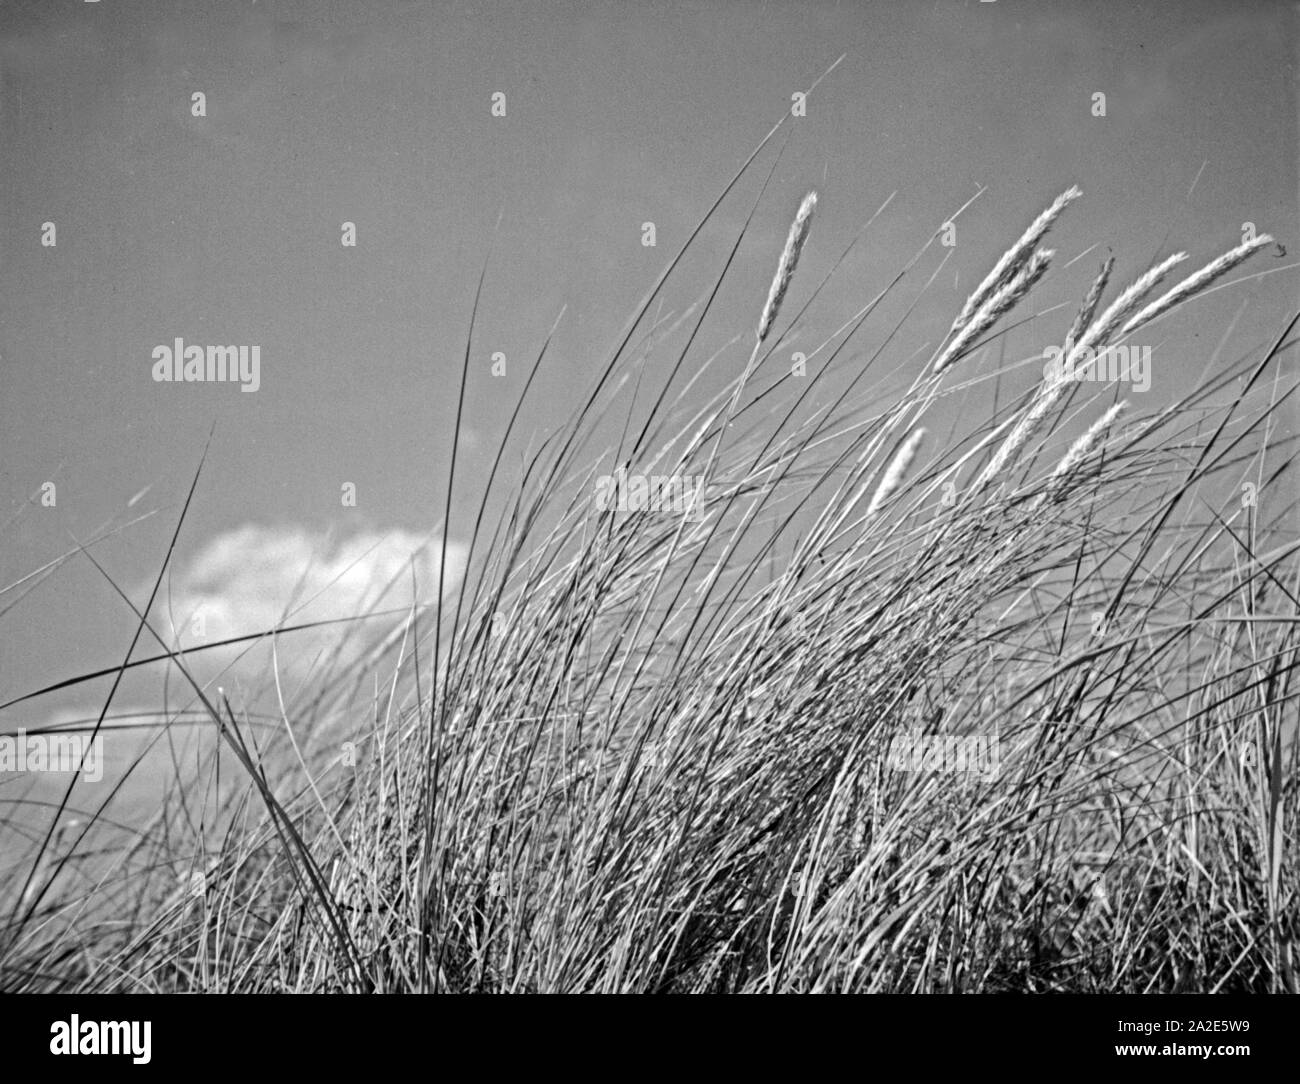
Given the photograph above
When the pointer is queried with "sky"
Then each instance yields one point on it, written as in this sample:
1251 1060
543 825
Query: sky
226 229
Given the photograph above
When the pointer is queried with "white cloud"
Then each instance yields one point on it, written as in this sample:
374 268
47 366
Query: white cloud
253 578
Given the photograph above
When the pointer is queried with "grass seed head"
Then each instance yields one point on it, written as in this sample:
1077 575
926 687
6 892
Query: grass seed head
1194 284
897 471
1089 307
1015 257
1080 450
794 243
1099 332
998 303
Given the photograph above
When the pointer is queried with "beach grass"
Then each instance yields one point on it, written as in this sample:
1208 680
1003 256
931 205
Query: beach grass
649 749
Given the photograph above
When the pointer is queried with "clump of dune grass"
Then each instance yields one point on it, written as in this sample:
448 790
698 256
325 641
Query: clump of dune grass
640 751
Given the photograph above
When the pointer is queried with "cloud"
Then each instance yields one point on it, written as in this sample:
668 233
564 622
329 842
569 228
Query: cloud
245 580
254 578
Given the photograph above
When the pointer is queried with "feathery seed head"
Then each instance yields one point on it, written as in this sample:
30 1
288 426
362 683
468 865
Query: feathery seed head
994 307
1195 283
1099 333
897 471
1058 482
1082 448
1089 307
794 243
1052 387
1030 420
1014 258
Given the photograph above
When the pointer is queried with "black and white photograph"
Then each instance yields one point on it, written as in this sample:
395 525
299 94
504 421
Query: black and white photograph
650 497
